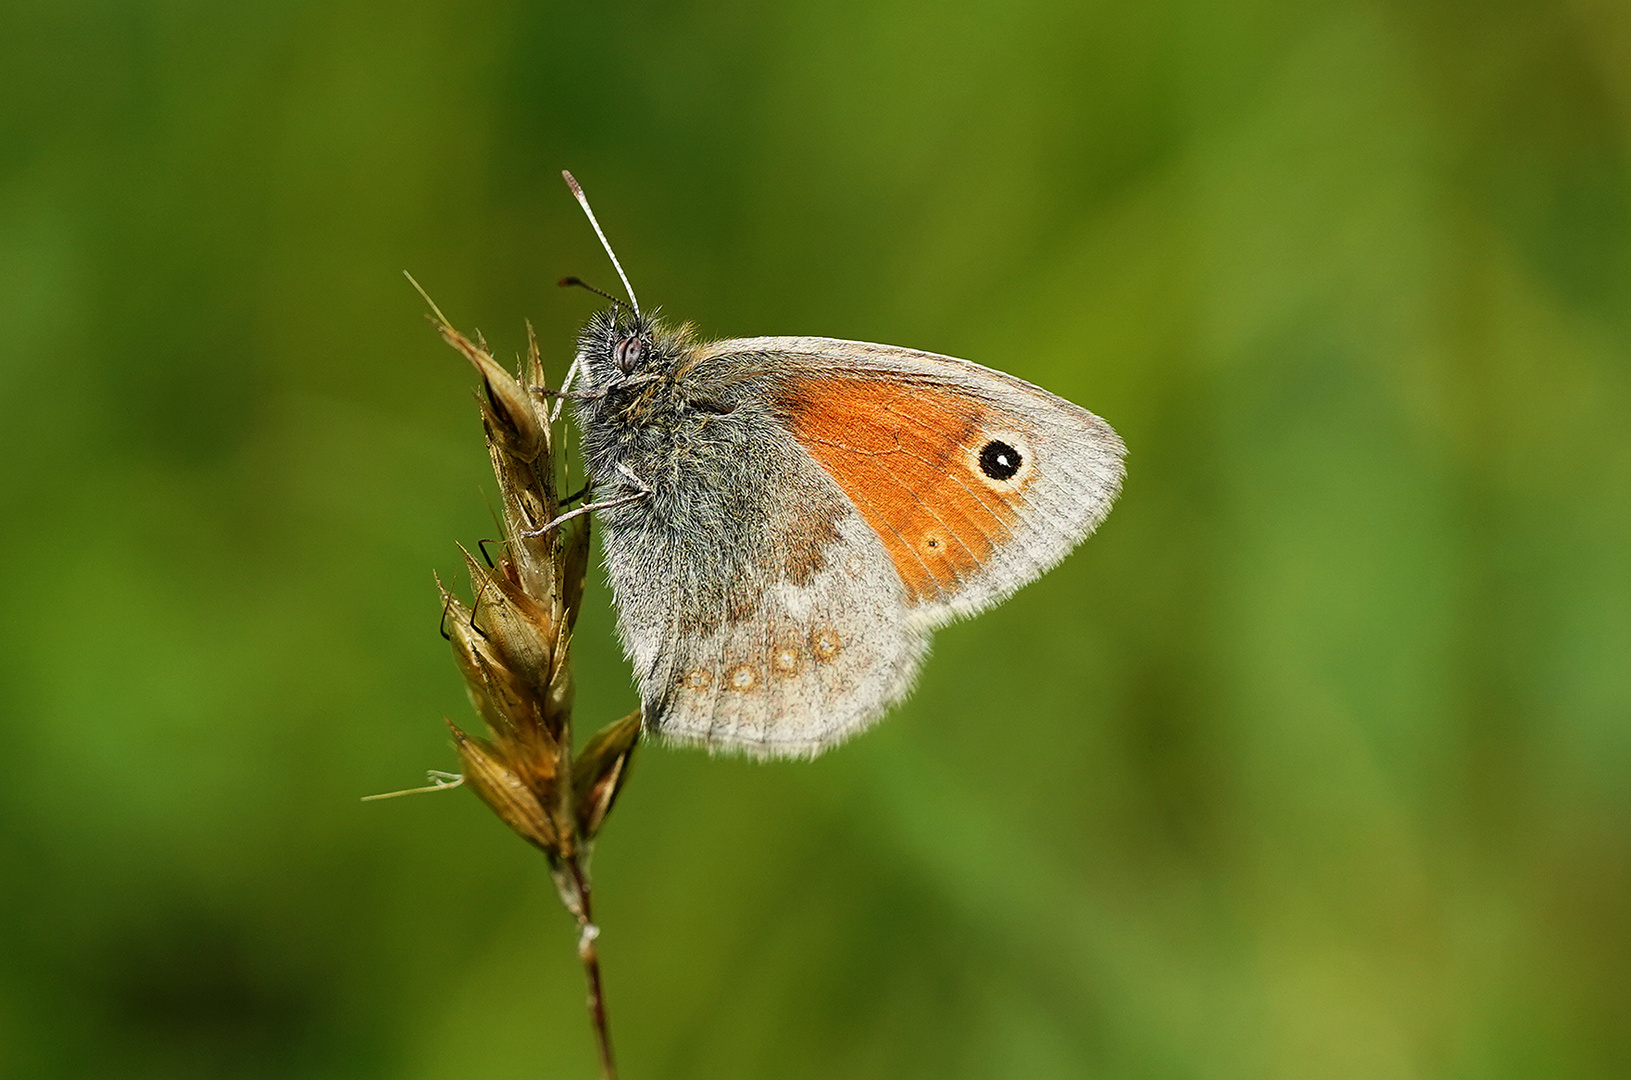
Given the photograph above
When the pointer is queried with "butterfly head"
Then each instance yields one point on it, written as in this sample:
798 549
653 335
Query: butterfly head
619 351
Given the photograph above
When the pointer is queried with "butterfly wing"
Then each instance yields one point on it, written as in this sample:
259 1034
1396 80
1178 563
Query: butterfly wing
764 617
905 489
975 482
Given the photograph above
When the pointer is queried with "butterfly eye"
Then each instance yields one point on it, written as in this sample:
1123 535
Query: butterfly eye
627 354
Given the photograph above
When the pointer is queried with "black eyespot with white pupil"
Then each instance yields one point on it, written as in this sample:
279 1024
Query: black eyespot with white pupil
627 354
999 461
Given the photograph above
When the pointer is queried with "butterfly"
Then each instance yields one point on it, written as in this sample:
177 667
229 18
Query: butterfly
787 520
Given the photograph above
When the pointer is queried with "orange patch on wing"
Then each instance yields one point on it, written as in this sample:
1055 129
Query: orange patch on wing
900 452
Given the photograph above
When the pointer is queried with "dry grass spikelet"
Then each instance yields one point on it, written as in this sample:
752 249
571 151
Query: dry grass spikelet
512 643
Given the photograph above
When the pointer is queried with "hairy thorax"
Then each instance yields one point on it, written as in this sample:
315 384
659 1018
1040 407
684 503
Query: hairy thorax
733 505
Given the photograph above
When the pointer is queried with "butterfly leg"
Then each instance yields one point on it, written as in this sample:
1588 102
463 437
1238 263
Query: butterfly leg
559 396
621 500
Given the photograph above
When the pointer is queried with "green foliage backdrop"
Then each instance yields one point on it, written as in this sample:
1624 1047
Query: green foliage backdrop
1316 762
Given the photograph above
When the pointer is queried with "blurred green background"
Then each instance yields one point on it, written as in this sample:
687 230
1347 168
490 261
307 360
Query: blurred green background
1315 762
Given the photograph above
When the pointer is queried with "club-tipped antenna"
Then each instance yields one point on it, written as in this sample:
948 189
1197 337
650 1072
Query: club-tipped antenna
583 201
570 282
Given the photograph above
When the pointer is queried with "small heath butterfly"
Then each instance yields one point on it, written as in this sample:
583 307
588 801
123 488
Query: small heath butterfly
788 519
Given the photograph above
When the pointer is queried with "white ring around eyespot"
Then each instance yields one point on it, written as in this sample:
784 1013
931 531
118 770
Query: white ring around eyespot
1022 447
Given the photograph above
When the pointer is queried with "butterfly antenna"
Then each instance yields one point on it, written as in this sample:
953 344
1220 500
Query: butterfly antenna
583 201
571 282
